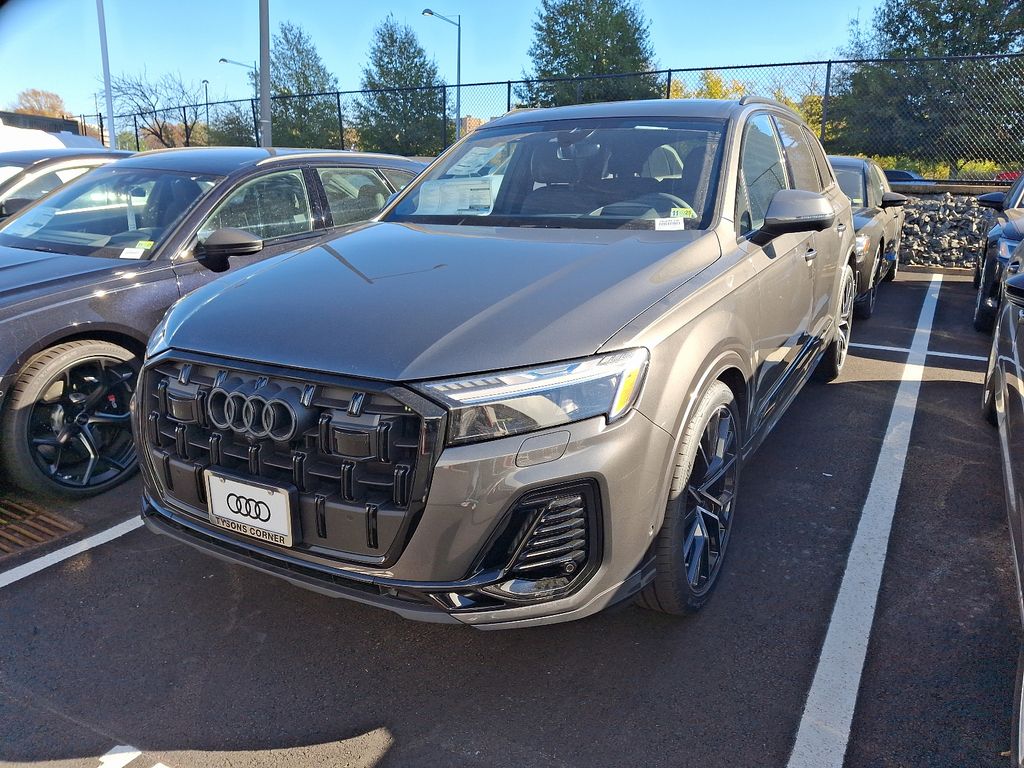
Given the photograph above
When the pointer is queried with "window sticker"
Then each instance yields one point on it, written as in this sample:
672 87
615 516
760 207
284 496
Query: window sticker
451 197
144 244
683 212
132 253
670 224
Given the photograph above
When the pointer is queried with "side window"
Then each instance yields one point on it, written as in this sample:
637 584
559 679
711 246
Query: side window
762 173
875 187
353 194
274 205
801 161
399 179
824 169
47 182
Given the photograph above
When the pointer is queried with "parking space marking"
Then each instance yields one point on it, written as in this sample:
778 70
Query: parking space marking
932 353
40 563
824 730
119 756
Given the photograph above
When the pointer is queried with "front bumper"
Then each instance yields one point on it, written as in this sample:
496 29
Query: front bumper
472 489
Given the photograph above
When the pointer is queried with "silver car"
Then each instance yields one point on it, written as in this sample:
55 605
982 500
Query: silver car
525 391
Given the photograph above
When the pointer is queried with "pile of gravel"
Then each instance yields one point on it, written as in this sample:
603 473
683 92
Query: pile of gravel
944 230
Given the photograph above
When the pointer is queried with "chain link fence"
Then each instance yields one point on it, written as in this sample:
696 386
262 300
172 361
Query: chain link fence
944 118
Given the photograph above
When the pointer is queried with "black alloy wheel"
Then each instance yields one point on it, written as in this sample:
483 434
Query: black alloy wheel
69 422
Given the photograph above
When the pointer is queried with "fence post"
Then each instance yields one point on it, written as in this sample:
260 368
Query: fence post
444 117
135 124
255 122
100 116
579 90
508 96
185 128
668 86
824 99
341 121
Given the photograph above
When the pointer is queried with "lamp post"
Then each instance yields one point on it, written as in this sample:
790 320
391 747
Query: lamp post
255 83
206 103
457 23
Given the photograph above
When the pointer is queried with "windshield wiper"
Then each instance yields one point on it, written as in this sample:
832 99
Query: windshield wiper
42 248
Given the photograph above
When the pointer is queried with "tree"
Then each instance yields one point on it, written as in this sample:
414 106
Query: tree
952 111
582 38
402 109
34 101
296 69
711 85
166 109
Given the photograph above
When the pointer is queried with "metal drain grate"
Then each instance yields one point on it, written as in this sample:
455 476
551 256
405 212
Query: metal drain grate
24 525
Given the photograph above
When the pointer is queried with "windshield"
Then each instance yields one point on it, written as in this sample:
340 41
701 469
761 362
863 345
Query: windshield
851 181
112 213
611 174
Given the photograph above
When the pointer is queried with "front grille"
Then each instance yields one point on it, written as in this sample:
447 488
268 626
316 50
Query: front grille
357 454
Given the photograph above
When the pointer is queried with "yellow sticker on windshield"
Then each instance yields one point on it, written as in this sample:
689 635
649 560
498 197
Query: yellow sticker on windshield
144 244
683 212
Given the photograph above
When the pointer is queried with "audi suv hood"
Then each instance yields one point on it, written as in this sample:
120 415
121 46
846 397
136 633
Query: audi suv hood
26 275
404 302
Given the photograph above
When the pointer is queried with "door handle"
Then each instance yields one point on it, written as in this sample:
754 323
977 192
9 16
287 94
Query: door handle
810 255
840 228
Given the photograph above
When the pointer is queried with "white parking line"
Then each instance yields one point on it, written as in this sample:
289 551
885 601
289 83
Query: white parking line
34 566
824 731
906 350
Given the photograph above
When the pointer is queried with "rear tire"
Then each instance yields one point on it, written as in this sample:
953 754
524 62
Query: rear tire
865 308
832 362
691 546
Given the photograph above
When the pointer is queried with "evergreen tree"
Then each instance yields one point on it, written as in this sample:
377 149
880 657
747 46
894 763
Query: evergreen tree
581 38
296 68
403 107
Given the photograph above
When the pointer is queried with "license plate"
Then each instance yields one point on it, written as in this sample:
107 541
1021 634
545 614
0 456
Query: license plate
260 511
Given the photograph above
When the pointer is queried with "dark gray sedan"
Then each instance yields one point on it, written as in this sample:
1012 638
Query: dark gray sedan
1003 404
28 174
878 221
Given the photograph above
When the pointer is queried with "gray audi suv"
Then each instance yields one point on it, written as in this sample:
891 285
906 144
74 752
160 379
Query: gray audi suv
525 391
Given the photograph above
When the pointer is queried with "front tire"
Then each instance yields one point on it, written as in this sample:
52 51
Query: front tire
691 546
894 268
865 308
66 430
832 362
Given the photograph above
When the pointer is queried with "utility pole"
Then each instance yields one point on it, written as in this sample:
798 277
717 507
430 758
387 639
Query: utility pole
112 143
266 139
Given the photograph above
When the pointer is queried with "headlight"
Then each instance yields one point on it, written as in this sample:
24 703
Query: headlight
527 399
1005 248
861 245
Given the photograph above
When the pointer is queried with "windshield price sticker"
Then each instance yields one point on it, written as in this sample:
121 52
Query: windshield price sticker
670 224
683 212
132 253
447 197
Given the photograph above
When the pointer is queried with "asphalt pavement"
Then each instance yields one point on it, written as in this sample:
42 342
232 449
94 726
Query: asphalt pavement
142 652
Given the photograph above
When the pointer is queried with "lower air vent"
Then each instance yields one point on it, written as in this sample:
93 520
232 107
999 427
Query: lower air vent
550 543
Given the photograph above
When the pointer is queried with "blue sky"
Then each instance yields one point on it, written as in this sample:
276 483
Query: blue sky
53 44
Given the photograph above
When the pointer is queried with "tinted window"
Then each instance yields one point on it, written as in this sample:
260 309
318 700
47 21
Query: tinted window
824 169
1013 197
875 187
398 179
275 205
798 153
762 173
46 182
600 173
353 194
851 181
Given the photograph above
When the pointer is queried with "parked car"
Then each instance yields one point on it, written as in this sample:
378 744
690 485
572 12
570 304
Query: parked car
878 226
902 176
28 174
1000 242
1007 176
525 391
87 272
1003 405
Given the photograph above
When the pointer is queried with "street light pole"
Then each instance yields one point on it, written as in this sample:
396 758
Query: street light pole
457 23
112 142
255 83
265 73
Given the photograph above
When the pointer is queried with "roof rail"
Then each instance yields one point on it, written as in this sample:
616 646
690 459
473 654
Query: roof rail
755 99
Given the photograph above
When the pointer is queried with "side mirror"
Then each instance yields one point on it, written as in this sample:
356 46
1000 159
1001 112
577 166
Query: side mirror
12 205
795 210
992 200
893 199
217 249
1013 289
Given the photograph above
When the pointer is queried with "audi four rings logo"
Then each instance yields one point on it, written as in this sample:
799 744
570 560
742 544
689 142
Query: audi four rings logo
246 507
261 412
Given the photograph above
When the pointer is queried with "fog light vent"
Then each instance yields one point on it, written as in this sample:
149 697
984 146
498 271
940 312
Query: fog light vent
557 545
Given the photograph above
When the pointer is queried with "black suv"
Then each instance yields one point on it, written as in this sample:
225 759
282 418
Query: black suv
87 272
